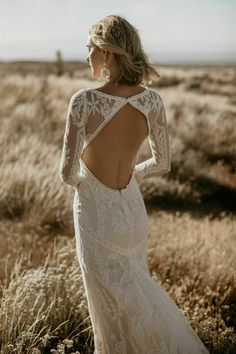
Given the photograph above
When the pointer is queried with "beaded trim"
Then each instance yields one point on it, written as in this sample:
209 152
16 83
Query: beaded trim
119 97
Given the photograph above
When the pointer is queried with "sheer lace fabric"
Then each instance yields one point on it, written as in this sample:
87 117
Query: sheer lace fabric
90 110
130 312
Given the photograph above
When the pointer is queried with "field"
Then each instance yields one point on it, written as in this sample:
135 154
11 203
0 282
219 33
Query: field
192 210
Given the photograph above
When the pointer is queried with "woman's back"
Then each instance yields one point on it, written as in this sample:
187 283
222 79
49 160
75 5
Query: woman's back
129 312
111 156
106 132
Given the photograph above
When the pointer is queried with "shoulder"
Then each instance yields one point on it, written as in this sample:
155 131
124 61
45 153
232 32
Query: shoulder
76 103
155 94
79 95
78 99
156 102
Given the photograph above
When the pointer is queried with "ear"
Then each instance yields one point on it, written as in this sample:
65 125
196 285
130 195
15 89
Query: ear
106 55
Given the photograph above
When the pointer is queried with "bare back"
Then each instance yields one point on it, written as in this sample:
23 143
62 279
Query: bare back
106 131
111 155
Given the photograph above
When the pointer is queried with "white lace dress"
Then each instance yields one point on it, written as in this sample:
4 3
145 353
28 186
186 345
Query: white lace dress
130 312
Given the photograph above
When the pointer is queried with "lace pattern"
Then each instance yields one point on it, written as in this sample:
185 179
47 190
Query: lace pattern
129 311
90 110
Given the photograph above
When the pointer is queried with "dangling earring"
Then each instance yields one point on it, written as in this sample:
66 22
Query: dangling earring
105 74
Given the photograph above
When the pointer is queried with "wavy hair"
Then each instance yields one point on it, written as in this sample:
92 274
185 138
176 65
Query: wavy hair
116 34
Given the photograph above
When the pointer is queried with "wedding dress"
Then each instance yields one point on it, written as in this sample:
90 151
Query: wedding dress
130 312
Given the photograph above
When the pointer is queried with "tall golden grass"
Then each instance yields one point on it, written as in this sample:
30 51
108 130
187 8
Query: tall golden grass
191 246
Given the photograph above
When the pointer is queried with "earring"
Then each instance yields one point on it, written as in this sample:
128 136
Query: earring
105 74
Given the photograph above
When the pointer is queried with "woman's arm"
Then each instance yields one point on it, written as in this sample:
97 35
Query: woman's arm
73 140
158 138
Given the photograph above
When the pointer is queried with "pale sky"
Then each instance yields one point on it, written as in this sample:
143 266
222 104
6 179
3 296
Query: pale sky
169 29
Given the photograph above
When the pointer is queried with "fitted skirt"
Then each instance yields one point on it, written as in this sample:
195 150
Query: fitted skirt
130 312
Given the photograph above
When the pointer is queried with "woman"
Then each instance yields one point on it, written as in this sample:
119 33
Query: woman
130 312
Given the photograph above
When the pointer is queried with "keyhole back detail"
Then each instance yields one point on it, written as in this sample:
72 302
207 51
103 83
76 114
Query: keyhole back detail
111 153
107 132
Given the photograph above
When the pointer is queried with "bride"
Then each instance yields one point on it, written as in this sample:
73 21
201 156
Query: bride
130 312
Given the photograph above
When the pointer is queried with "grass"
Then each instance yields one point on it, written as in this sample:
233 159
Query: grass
191 210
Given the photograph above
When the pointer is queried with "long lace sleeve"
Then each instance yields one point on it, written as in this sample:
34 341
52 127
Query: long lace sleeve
158 138
73 140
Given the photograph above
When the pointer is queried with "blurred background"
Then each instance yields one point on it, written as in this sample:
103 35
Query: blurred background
192 210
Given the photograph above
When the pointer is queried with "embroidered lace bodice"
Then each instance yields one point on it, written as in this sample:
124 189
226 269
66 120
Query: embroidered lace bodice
90 110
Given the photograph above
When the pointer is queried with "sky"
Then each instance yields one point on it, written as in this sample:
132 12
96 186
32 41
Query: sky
171 31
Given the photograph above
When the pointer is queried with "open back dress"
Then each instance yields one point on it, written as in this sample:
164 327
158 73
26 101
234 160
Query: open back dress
130 312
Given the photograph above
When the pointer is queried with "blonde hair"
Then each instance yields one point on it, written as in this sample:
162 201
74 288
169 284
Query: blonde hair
116 34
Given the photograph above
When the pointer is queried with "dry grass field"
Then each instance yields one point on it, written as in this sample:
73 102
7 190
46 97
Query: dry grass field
192 210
